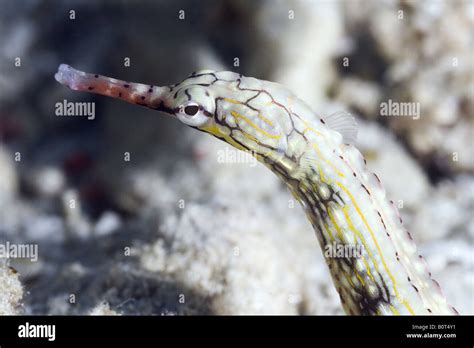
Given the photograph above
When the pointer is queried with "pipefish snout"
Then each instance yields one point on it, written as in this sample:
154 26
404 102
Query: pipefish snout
345 202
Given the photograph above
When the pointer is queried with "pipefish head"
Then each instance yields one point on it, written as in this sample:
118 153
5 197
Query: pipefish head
216 103
212 102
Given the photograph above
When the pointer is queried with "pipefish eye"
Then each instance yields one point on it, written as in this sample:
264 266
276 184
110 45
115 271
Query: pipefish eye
191 110
192 114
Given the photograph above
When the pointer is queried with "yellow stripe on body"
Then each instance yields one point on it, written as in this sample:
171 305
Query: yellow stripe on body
214 130
263 118
318 152
233 101
403 301
253 125
316 148
362 239
395 310
346 276
308 127
341 236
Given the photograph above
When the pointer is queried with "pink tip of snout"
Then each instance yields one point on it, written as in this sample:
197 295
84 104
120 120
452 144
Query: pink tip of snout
69 76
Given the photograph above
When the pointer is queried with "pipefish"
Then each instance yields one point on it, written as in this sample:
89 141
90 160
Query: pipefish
345 203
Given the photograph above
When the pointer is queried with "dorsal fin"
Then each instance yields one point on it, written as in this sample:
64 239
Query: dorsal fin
344 123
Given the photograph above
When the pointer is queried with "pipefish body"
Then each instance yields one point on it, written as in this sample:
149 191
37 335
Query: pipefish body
345 203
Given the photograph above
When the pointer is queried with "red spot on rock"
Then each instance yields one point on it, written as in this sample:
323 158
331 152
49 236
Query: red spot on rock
199 154
10 129
77 162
